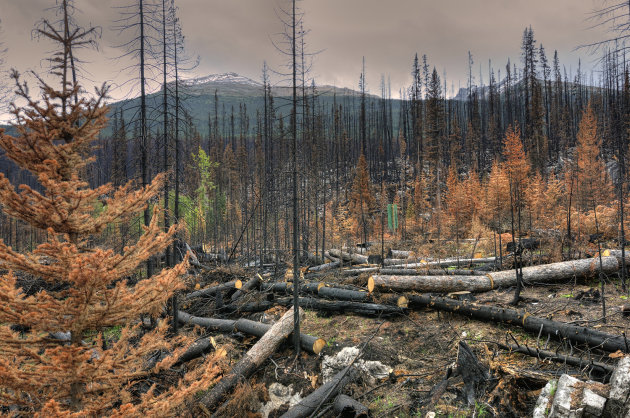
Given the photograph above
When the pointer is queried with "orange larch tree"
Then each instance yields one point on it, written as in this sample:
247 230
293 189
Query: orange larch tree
593 186
362 199
517 168
86 290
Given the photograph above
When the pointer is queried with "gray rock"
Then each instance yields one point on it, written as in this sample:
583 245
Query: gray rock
543 403
593 403
618 403
561 405
370 370
279 395
620 381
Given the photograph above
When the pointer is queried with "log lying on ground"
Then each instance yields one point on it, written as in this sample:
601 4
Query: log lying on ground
325 267
368 309
330 257
234 308
398 253
355 258
399 261
287 288
431 272
309 343
582 335
617 254
359 271
320 289
341 273
602 369
345 406
546 273
195 350
251 361
210 291
251 284
452 262
313 402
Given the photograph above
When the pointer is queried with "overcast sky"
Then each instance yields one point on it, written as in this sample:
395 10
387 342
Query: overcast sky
236 36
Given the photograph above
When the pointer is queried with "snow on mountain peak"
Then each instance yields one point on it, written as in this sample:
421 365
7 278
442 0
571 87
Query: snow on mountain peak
222 78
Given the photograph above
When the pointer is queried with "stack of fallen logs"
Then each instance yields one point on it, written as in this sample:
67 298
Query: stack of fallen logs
385 293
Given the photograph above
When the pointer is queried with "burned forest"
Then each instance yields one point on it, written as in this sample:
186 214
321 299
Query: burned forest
296 244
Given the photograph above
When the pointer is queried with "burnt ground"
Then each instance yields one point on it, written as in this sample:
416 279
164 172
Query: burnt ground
421 345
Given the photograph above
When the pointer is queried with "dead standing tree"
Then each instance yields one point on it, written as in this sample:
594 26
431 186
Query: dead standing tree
292 20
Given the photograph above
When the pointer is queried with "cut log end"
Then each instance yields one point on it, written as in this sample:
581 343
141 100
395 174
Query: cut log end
402 302
320 285
370 284
238 284
319 345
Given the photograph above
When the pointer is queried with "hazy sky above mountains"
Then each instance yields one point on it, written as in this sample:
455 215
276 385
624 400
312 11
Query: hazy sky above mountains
236 35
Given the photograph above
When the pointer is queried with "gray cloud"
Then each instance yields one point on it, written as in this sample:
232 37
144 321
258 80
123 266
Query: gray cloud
235 35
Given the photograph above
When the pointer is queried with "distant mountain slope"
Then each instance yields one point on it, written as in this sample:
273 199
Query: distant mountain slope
233 91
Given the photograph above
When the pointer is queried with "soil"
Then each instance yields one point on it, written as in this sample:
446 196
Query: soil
422 345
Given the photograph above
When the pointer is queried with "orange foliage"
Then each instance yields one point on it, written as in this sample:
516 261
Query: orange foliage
361 200
593 186
86 291
516 162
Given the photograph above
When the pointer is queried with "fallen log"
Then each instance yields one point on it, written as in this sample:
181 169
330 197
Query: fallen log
617 255
398 253
251 361
399 261
210 291
546 273
599 368
251 284
287 288
325 267
234 308
345 406
359 271
355 258
312 402
434 284
341 273
368 309
343 294
309 343
330 257
195 350
431 272
582 335
451 262
320 289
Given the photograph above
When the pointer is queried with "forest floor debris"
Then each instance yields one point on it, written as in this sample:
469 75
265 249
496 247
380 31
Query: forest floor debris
416 348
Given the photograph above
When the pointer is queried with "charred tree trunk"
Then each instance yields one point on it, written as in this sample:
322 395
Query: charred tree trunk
582 335
312 402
